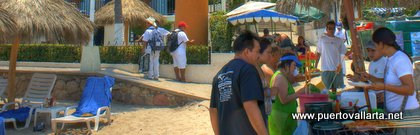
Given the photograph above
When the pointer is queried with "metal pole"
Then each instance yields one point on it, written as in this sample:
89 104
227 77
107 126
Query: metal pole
256 30
92 18
272 29
291 32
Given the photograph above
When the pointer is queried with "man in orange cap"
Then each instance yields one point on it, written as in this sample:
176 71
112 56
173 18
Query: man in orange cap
179 56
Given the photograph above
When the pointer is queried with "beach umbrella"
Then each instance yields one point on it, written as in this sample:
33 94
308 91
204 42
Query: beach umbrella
54 19
261 15
134 12
250 6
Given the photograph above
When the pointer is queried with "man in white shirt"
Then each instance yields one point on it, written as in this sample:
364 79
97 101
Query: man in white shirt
179 56
330 49
153 72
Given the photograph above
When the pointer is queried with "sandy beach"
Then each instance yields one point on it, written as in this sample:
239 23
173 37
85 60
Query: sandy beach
190 119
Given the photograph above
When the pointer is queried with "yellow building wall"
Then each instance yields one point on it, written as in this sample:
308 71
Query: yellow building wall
195 14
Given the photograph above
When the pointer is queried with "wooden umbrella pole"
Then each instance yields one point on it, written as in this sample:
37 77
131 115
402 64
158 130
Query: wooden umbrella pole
126 33
366 91
355 46
12 71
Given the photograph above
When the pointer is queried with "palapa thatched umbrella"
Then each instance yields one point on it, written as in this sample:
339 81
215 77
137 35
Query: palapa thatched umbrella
7 25
134 13
57 20
54 19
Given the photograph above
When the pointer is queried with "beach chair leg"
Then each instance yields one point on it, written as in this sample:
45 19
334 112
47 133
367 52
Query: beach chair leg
53 126
14 125
96 123
62 126
35 118
88 125
108 117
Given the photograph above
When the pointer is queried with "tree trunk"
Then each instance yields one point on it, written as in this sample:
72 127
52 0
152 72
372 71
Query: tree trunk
118 24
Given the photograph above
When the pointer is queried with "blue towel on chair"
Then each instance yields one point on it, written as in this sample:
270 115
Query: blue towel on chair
2 128
96 94
19 114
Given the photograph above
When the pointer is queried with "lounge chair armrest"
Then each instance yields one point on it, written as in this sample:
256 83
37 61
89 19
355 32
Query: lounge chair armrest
8 104
66 113
106 108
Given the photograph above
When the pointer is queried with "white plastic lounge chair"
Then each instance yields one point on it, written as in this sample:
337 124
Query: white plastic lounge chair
3 88
39 88
74 119
27 121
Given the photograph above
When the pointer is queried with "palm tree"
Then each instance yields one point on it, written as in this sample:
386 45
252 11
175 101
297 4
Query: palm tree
119 26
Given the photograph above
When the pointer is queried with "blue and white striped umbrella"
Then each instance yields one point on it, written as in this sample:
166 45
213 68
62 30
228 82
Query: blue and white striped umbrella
261 15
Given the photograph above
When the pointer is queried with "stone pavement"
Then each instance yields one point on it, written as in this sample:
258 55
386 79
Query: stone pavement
192 90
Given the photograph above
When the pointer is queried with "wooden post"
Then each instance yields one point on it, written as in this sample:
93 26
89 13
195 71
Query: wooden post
11 92
126 31
366 91
355 47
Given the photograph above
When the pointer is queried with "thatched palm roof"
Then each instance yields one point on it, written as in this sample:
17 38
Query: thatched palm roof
134 13
57 20
7 24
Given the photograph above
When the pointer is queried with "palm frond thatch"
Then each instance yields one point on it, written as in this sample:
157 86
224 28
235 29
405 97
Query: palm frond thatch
57 20
134 13
8 25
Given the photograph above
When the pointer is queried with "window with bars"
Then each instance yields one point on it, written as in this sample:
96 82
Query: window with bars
215 5
84 5
164 7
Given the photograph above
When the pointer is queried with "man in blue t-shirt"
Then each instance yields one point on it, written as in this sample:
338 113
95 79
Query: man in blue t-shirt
237 97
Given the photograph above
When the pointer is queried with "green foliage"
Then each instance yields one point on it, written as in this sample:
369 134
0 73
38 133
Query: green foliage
138 30
120 54
197 54
221 32
232 4
211 2
168 25
44 53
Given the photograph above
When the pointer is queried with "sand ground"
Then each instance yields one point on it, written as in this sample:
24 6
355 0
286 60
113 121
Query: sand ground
191 119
